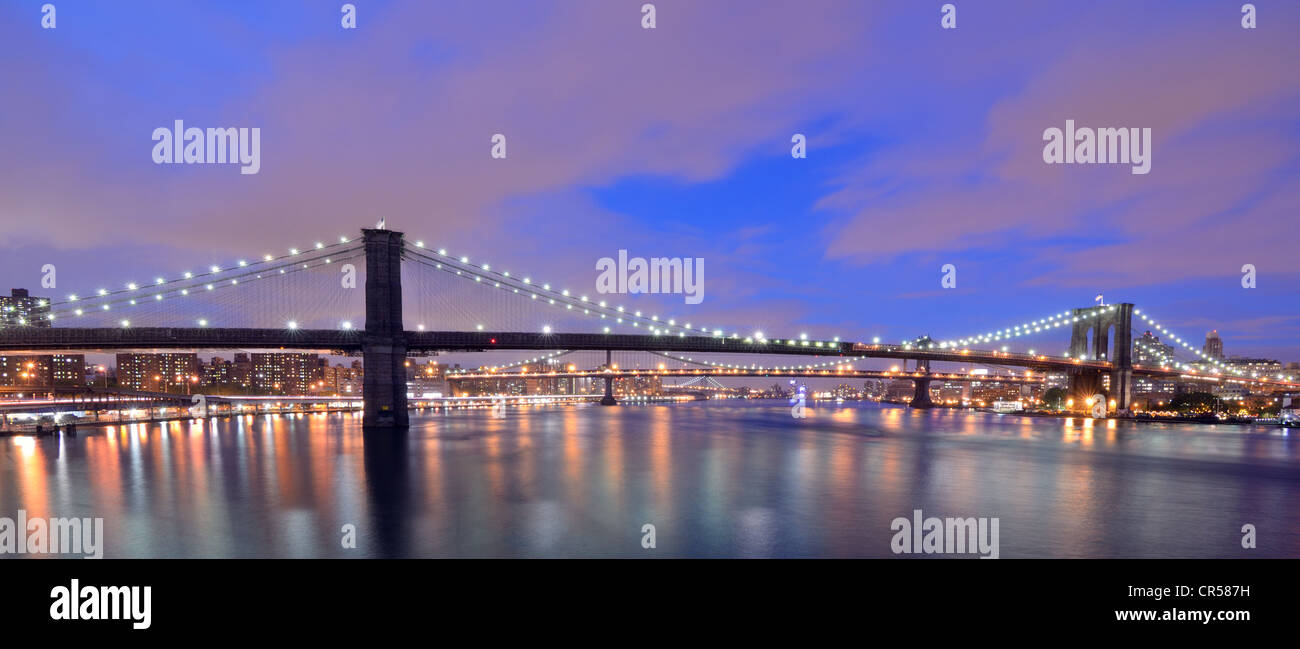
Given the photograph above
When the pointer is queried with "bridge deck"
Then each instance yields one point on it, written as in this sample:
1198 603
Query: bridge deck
58 339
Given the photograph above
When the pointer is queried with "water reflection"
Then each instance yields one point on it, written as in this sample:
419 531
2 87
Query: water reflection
716 479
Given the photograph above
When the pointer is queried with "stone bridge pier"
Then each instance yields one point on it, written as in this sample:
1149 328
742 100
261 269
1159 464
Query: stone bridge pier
921 387
1099 322
383 343
608 399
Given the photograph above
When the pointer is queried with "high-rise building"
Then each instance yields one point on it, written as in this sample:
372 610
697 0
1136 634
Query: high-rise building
283 373
21 309
62 370
68 369
1213 345
165 372
1149 351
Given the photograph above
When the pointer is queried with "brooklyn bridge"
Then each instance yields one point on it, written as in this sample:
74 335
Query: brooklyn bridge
1097 356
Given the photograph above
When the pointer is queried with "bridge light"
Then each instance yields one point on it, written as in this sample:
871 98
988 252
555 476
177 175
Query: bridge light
203 323
126 323
347 325
131 286
293 324
103 292
157 297
293 251
546 329
419 327
606 329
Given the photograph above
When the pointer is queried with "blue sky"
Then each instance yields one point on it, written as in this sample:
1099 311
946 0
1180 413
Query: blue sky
924 149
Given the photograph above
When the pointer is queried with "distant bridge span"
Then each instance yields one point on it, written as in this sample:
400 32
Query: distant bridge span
103 340
124 339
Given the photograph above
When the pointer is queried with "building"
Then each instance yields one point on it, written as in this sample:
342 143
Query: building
21 309
227 377
1213 345
1149 351
427 380
1253 367
57 370
165 372
68 370
285 373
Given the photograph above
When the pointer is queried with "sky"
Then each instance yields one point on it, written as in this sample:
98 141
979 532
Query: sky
924 148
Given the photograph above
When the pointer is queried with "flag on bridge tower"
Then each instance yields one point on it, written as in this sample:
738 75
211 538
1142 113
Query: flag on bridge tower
382 223
1098 300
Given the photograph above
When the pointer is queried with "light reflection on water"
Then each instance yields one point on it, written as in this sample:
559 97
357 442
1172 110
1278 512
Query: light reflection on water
715 478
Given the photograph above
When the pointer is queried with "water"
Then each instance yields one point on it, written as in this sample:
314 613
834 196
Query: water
716 479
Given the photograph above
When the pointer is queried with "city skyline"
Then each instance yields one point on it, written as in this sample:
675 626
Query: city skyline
937 152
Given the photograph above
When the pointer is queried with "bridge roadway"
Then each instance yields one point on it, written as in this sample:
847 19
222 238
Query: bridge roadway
68 339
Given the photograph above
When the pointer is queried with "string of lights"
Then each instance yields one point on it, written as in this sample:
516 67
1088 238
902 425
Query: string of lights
506 366
1219 366
563 298
216 270
839 362
1053 321
134 295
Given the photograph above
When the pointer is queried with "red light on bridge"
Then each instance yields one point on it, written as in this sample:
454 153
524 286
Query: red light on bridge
494 341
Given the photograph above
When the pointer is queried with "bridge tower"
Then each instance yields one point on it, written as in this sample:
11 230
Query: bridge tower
608 399
383 344
921 391
1085 383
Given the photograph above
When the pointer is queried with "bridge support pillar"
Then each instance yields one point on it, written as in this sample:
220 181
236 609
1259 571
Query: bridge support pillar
608 399
383 345
1121 389
921 396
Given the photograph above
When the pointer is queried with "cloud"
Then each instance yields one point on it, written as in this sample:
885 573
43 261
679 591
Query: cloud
1223 168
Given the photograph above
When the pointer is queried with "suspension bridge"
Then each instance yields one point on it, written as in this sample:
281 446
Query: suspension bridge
1098 357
